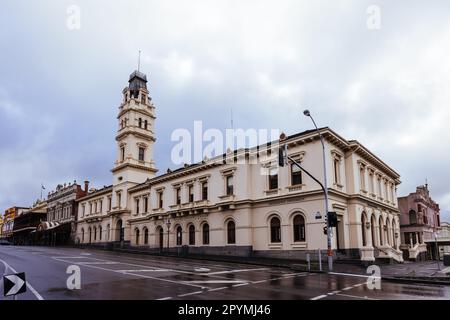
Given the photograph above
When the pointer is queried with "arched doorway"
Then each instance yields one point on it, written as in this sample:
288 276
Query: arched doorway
363 229
119 231
161 238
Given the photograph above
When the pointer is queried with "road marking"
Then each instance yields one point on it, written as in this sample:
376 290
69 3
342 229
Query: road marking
189 294
217 289
97 262
216 281
260 281
348 288
357 297
359 284
319 297
334 292
240 284
235 271
166 298
354 275
146 270
202 270
34 291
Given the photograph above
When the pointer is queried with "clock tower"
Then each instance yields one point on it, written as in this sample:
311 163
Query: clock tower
135 138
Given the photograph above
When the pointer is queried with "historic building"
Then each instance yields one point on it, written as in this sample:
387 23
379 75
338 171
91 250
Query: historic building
419 221
8 221
59 226
241 203
26 223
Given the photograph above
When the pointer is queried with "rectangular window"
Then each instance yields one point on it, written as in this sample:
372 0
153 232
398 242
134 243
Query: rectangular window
160 200
229 185
191 193
90 207
137 206
83 210
109 203
371 182
178 195
296 175
119 198
379 187
273 179
122 154
204 191
336 171
362 173
141 154
146 204
101 206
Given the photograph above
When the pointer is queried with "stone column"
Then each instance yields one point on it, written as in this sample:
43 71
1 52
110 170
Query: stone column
410 240
417 237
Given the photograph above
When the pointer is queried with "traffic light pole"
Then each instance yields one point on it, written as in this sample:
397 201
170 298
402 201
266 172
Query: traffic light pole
325 190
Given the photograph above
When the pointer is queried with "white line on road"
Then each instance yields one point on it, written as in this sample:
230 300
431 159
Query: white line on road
189 294
215 281
319 297
348 288
146 270
240 284
357 297
235 271
217 289
354 275
38 296
166 298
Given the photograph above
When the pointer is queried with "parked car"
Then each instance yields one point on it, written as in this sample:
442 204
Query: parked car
4 242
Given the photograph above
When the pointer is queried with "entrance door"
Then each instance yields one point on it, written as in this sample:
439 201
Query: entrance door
161 238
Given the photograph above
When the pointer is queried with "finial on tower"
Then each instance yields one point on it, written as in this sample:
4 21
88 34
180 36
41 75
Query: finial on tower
139 61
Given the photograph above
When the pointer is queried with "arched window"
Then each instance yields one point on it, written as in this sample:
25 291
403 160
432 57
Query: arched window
372 230
95 233
119 231
145 235
179 236
275 230
191 235
137 236
100 233
205 233
412 217
90 235
299 228
107 232
231 232
140 122
388 235
82 235
363 229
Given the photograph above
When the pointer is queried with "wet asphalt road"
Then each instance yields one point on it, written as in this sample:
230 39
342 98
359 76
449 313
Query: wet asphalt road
112 275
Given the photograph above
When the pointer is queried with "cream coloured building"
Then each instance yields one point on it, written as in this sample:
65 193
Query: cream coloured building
241 203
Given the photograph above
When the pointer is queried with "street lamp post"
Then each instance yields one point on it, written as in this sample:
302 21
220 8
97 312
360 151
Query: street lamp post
168 223
329 229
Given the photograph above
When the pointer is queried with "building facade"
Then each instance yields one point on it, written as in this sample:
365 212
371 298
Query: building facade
8 221
26 223
241 203
59 226
419 221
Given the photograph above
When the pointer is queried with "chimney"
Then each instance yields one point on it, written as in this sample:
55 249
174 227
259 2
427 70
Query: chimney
86 186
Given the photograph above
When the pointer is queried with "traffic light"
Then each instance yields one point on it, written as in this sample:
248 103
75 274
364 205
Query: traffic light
332 219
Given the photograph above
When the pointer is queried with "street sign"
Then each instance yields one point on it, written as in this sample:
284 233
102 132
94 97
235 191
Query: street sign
14 284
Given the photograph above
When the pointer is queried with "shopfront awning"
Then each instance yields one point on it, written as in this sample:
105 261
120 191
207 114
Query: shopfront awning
44 226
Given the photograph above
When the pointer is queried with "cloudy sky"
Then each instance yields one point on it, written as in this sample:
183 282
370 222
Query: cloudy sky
60 87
